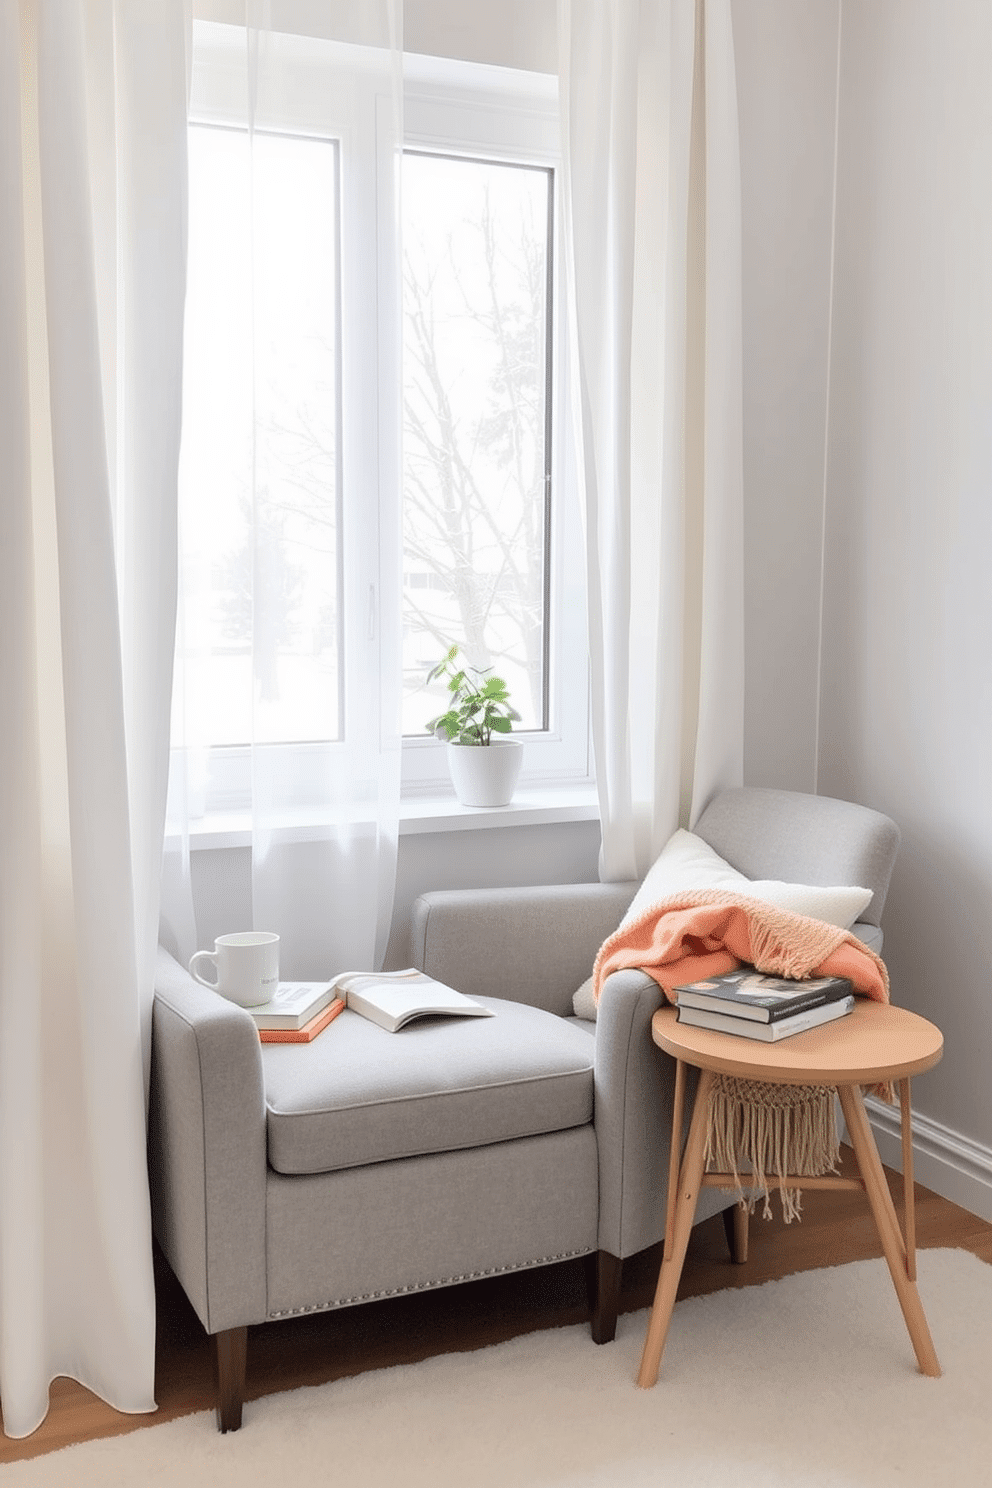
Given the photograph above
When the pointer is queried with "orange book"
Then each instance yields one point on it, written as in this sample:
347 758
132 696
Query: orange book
308 1031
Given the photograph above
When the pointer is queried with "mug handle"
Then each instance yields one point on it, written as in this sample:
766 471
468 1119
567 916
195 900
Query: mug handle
209 956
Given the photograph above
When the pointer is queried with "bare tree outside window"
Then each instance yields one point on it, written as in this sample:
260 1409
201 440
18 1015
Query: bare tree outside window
476 245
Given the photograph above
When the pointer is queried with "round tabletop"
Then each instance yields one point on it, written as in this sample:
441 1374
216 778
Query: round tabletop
872 1043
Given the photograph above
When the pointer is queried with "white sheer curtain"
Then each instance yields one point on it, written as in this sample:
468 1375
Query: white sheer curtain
286 719
92 204
652 212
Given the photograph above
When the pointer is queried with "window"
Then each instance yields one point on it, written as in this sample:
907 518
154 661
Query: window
497 128
491 551
477 250
276 435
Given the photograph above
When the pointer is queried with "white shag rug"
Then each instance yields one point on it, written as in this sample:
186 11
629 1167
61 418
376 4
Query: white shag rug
797 1383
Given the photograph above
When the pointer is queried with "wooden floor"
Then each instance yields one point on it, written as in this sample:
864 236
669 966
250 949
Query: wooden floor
836 1227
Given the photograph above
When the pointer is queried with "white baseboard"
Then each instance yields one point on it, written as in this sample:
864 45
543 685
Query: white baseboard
943 1160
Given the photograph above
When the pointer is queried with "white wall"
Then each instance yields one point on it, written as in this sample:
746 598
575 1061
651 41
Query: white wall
786 52
902 715
506 33
907 685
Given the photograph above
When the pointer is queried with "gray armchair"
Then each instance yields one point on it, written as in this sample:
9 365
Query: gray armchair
296 1178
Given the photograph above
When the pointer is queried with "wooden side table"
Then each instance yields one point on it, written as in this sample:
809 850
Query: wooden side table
874 1043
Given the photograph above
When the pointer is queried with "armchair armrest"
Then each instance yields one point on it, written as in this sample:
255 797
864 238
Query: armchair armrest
534 945
634 1094
207 1148
634 1087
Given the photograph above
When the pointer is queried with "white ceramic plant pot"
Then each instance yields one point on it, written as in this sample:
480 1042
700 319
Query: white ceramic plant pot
485 774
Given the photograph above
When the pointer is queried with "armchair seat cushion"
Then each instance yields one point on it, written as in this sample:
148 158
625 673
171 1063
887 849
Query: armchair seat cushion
358 1095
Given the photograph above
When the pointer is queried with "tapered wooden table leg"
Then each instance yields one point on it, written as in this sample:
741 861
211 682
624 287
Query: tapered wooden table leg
690 1176
908 1186
888 1228
675 1153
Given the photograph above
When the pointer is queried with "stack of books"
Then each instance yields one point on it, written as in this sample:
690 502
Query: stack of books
755 1006
297 1012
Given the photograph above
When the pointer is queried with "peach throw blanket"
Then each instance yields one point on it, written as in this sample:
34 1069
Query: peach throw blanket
705 932
754 1128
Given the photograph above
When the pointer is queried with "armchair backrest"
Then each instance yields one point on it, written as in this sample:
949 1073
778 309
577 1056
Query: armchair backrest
766 833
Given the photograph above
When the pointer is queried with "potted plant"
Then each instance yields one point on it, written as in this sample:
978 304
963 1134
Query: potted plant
484 769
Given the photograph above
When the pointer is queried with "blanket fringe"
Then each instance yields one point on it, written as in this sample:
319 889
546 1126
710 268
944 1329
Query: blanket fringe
773 1129
774 952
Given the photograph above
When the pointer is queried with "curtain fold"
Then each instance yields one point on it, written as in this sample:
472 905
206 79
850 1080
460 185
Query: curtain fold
653 267
91 218
287 694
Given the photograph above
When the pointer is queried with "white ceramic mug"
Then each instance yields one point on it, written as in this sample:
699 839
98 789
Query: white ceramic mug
247 965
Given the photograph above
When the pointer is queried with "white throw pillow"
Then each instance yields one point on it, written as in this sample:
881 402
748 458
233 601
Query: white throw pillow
583 1003
687 862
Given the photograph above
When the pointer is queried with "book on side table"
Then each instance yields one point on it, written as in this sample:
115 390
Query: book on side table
769 1033
746 993
749 1003
395 998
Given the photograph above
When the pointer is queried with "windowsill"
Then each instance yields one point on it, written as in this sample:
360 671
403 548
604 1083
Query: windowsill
537 805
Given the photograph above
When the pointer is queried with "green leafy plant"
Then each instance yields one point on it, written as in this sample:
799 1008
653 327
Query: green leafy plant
478 707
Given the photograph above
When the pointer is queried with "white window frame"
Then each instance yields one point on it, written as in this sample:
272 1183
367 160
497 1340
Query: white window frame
509 116
453 108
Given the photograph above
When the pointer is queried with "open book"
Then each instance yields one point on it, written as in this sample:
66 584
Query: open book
394 998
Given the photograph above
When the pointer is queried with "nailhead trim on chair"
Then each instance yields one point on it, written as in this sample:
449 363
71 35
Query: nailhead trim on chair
426 1286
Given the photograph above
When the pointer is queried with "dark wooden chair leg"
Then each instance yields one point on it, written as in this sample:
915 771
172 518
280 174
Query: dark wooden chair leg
231 1350
735 1223
604 1271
